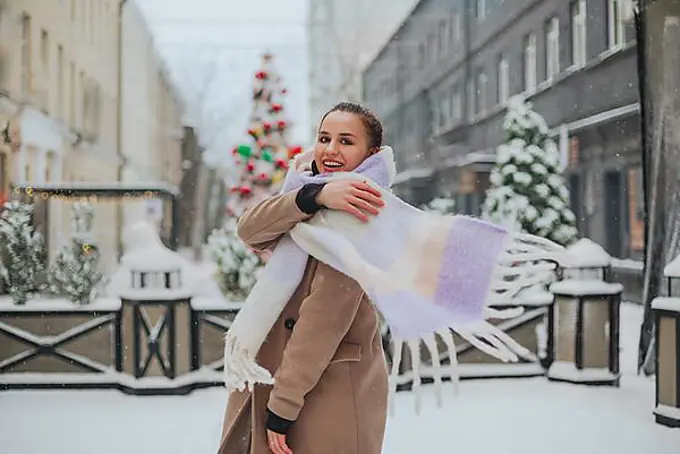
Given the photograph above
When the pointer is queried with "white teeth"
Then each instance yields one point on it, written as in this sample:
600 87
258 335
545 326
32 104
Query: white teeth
332 164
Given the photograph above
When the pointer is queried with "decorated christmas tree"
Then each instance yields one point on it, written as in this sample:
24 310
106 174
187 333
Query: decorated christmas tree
74 273
22 252
528 192
237 264
261 164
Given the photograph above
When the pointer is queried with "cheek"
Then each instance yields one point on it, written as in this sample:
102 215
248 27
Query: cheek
355 157
318 149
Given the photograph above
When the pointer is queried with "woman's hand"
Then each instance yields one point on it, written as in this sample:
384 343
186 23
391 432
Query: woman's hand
277 443
351 196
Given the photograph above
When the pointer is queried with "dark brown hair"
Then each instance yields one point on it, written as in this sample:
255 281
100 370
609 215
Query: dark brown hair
373 126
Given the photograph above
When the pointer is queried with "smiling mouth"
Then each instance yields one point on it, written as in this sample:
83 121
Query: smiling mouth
331 165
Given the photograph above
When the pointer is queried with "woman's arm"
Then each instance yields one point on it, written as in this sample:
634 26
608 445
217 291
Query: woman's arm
324 319
261 226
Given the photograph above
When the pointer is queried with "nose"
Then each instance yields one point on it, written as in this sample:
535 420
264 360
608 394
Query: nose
331 146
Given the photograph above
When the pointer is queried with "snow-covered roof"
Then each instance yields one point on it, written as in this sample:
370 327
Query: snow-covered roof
673 268
586 253
590 287
666 304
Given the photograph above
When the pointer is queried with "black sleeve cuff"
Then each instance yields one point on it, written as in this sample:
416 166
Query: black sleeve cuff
306 198
277 424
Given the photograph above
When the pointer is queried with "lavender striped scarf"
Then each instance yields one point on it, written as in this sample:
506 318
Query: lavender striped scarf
427 274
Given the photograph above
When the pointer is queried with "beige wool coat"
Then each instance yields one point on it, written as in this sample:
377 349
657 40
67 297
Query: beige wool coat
324 352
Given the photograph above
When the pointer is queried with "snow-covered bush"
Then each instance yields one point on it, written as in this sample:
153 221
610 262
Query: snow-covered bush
440 205
237 264
22 252
528 192
74 273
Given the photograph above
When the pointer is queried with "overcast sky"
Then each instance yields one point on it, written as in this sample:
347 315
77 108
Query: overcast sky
235 33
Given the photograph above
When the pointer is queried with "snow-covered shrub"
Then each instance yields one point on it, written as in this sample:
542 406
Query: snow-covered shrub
22 252
237 264
528 192
74 273
440 205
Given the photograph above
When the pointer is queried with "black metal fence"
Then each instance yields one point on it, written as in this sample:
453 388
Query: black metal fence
176 346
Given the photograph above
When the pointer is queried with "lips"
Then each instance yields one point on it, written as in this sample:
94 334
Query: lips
331 165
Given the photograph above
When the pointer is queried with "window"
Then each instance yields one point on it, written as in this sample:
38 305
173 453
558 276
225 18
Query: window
455 29
60 82
578 33
443 35
83 16
635 209
92 20
552 48
83 114
432 47
503 80
445 109
481 91
72 94
73 10
456 104
530 63
471 100
618 13
422 55
480 10
45 70
45 53
4 176
26 60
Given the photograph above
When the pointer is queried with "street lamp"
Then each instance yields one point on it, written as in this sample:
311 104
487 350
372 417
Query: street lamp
667 351
587 318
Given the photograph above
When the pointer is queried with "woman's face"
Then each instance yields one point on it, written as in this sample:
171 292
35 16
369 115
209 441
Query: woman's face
341 143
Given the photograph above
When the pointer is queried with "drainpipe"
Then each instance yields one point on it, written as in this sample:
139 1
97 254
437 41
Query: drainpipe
119 128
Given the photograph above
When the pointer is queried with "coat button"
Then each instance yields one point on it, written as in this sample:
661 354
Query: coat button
289 323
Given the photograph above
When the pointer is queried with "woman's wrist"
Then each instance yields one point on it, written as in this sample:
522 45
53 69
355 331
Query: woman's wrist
307 198
277 424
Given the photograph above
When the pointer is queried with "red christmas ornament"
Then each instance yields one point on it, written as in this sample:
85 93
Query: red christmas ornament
261 75
234 151
277 107
252 133
267 126
250 166
245 190
281 164
284 91
263 176
295 151
281 124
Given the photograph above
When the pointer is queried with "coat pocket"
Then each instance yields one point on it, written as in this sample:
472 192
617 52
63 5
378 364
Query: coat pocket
347 352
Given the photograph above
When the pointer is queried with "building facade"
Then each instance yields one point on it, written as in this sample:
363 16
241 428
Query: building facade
343 37
61 95
441 91
151 127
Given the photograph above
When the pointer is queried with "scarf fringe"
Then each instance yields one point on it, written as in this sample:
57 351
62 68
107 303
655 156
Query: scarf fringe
241 371
484 336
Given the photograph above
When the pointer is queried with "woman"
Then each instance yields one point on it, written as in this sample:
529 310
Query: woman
325 351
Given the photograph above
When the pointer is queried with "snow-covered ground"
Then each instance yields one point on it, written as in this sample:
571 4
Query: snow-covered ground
513 416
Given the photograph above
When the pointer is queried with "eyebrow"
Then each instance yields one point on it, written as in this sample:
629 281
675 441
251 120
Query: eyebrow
345 134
